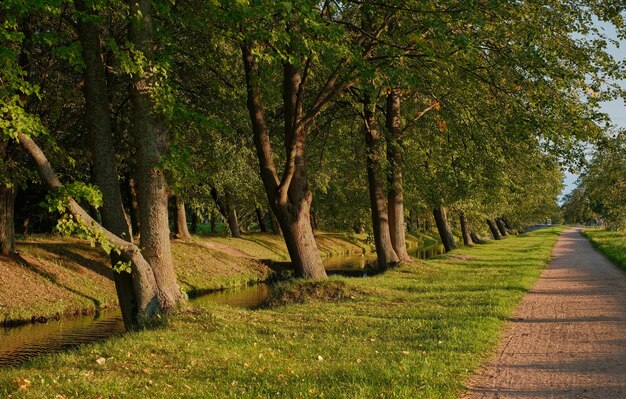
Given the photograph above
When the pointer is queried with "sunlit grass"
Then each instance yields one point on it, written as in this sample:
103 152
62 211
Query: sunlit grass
611 243
417 331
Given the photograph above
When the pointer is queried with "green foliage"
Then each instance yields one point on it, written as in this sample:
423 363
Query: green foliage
68 225
603 183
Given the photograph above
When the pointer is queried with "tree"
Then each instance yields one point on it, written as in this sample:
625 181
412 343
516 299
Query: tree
152 140
98 124
604 181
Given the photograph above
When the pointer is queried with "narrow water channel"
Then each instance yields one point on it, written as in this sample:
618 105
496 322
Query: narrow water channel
19 344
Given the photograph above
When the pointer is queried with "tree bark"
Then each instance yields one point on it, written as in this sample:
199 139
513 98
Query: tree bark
134 205
465 230
261 219
289 196
475 238
147 297
275 225
443 226
501 227
181 220
385 252
98 123
7 220
494 229
395 196
152 140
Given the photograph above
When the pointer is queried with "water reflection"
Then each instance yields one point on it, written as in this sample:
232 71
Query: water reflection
21 343
420 252
249 297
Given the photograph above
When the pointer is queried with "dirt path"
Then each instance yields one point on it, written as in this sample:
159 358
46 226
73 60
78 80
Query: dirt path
567 339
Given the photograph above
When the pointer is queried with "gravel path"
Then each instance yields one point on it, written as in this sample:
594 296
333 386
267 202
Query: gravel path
567 339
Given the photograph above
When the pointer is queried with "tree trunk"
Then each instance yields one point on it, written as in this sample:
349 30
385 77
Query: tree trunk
144 283
7 220
501 227
465 230
494 229
152 140
228 211
134 205
289 196
181 220
475 238
98 123
233 220
213 223
443 226
361 226
194 222
395 196
385 253
275 225
413 221
261 219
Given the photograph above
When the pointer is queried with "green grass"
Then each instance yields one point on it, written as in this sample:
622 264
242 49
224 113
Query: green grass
611 243
416 331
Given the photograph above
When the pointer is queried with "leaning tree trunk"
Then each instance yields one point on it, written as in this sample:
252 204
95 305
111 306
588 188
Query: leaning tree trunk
385 252
98 122
475 238
144 283
501 227
395 196
260 217
7 219
465 230
289 196
494 229
443 226
152 140
181 219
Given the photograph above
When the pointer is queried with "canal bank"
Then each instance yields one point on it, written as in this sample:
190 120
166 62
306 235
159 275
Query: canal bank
54 277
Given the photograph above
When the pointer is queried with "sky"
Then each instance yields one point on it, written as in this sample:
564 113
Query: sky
616 109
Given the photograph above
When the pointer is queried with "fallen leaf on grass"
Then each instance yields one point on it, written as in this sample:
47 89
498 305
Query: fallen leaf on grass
23 383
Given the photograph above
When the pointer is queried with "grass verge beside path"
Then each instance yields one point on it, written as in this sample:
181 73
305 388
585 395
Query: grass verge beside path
417 331
611 243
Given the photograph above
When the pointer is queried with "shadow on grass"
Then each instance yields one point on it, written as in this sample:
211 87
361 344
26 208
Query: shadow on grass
54 280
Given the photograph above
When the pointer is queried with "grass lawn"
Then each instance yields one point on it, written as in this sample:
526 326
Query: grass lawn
417 331
611 243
